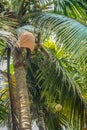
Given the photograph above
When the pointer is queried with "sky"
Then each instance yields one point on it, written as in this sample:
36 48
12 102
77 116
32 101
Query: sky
3 128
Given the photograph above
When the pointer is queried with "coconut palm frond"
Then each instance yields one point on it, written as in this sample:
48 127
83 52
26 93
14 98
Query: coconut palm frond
56 121
52 80
73 8
53 119
7 22
9 38
4 105
32 4
3 115
57 86
28 9
1 6
45 4
72 34
3 54
17 6
4 98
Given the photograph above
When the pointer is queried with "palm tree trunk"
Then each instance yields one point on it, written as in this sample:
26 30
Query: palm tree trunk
22 92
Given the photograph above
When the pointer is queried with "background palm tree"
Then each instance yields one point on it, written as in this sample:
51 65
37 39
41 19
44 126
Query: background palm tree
58 71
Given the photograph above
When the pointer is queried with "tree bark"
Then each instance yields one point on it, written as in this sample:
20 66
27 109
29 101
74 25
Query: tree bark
22 92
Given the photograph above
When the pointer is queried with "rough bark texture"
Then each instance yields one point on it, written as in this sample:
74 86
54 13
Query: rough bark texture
22 93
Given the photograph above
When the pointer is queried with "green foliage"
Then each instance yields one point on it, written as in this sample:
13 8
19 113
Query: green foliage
76 9
53 81
69 32
58 74
4 104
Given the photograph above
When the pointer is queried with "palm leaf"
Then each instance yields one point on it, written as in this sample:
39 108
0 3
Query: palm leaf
51 83
56 121
70 32
57 85
17 6
72 8
45 4
8 23
4 105
53 120
9 38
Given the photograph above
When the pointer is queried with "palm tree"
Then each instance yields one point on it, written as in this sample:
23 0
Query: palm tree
70 37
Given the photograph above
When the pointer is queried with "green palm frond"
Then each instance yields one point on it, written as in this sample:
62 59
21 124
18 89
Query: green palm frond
58 78
57 85
3 115
8 23
44 4
1 7
73 8
17 6
72 34
4 103
52 82
5 108
9 38
56 121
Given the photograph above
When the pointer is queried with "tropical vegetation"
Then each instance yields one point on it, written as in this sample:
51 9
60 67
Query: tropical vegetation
50 88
